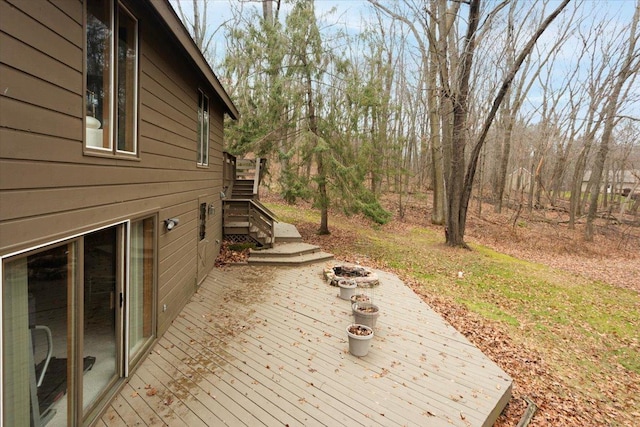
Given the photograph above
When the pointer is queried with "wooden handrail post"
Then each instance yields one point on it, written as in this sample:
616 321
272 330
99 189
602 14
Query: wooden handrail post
228 172
256 178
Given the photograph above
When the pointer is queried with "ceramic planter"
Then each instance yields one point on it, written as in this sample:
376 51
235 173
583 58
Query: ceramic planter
347 288
360 337
365 313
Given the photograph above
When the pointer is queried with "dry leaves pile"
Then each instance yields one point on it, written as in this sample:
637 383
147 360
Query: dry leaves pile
229 256
613 257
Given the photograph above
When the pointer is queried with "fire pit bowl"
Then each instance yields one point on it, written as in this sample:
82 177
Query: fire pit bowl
363 276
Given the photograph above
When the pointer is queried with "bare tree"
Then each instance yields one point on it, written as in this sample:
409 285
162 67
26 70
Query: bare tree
628 69
433 32
460 183
198 26
594 90
517 95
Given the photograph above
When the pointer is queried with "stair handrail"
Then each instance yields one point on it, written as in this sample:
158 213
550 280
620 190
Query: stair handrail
262 208
265 210
262 221
265 220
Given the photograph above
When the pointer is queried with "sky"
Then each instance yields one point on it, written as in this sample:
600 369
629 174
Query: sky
351 14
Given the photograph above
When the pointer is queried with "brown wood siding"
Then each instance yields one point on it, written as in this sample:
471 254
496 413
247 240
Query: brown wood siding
42 25
94 175
30 89
50 189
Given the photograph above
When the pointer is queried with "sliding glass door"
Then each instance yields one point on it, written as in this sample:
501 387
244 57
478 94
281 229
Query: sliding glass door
75 316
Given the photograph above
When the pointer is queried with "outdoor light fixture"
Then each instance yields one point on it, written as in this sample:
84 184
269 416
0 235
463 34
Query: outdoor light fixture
170 223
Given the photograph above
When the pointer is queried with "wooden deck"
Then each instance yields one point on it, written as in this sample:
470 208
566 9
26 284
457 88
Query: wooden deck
267 346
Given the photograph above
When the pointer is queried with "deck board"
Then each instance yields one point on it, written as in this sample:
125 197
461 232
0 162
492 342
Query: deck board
225 398
139 405
112 418
129 416
268 346
268 369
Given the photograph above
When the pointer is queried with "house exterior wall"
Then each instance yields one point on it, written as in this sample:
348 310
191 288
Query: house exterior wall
52 188
619 182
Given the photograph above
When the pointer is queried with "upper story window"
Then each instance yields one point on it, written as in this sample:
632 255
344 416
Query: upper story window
112 78
203 129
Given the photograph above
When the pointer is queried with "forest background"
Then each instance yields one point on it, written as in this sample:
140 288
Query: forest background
434 95
517 112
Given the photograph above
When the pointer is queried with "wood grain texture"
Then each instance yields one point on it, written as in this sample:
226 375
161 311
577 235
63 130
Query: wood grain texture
267 346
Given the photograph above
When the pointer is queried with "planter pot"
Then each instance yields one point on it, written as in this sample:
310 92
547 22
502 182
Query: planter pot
360 337
347 288
365 313
356 298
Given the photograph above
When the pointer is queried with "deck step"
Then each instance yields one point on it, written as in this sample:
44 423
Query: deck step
286 250
287 233
292 260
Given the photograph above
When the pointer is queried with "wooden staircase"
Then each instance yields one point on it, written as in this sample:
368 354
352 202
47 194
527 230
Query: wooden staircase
242 189
245 219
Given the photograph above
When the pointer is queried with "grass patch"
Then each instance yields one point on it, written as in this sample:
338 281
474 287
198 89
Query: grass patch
293 214
628 358
239 247
490 311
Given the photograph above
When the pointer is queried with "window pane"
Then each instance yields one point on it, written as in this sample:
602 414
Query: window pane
141 285
34 360
98 126
200 122
203 220
205 132
100 299
127 82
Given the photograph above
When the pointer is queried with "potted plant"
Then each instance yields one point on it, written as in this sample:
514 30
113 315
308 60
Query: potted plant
360 337
359 298
347 288
365 313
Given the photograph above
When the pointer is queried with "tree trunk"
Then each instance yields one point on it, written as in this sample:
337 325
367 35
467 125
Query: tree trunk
627 70
504 164
457 207
435 134
323 199
267 10
321 177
